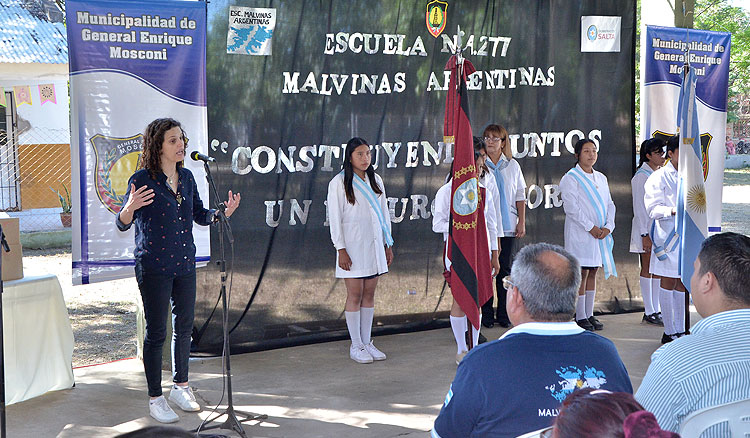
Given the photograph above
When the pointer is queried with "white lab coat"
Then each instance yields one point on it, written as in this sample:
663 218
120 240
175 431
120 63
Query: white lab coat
641 222
356 228
660 198
514 187
580 217
441 218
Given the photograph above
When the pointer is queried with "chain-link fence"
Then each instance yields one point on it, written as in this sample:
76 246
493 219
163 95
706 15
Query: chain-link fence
35 177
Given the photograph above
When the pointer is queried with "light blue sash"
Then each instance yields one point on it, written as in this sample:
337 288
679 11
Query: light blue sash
504 207
645 169
606 244
366 191
672 241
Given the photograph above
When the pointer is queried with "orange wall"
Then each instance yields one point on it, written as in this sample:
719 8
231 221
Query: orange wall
43 166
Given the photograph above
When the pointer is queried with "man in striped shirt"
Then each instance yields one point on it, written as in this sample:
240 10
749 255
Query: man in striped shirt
711 367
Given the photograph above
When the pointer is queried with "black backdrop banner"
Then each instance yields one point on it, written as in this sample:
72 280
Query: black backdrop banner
334 69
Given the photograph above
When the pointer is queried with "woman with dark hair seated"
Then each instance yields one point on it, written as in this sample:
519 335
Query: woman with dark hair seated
598 413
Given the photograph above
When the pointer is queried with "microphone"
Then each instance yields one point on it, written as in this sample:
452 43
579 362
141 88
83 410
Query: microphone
197 156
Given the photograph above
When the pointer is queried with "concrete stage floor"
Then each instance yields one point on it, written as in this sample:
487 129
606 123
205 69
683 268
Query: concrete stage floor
306 391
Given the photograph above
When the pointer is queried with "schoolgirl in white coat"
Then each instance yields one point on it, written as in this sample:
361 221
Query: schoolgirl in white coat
441 224
661 204
652 158
360 225
589 222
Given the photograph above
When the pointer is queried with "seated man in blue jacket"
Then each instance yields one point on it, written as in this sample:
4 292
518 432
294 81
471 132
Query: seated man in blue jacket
516 384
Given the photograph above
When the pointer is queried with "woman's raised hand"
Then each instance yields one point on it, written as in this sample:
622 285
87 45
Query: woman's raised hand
137 199
232 203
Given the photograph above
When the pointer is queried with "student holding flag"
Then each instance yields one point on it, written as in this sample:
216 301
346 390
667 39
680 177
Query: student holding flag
589 222
652 158
360 225
661 205
511 213
441 224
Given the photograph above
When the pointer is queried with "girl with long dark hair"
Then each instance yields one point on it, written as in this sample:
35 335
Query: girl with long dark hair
360 225
163 202
589 222
651 159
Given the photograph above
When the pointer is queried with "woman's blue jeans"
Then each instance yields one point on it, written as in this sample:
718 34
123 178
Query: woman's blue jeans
157 291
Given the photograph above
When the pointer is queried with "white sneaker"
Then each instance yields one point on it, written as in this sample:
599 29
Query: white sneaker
359 353
184 398
374 352
160 410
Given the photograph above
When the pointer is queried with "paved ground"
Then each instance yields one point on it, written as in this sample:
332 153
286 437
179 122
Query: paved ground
306 391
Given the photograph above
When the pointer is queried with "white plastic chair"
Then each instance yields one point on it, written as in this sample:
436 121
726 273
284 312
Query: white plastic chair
737 414
541 433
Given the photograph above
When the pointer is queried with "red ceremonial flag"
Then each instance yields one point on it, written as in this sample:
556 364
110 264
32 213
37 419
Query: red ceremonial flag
468 248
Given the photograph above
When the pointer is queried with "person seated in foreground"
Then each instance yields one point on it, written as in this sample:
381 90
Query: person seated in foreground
598 413
515 384
711 367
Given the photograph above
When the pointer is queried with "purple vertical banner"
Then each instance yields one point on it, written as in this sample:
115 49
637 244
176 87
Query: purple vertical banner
130 63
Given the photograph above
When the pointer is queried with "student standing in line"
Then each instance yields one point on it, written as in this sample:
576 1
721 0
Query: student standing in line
162 201
441 224
589 222
360 225
652 158
512 217
661 204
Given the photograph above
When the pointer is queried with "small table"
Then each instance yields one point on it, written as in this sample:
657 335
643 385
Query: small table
38 338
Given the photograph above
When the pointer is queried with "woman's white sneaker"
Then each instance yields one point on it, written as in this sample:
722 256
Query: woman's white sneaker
359 353
374 352
184 398
160 410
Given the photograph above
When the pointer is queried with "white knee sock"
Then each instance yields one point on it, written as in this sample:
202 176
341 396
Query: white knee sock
474 334
581 307
665 299
352 323
365 324
590 296
655 294
458 325
678 307
645 283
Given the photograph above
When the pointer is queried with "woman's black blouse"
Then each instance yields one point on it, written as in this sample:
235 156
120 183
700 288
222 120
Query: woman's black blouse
164 229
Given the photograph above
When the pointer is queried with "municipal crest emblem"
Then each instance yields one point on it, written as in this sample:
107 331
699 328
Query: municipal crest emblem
116 160
705 146
436 17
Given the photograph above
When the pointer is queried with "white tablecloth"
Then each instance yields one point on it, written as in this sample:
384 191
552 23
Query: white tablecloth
38 338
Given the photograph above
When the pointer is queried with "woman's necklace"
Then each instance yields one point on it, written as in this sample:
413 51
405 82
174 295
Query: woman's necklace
170 179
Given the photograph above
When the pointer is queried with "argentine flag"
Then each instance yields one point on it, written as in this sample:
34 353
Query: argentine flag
692 223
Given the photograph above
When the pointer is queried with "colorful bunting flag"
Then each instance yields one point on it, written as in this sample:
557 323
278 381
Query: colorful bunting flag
47 93
23 94
2 98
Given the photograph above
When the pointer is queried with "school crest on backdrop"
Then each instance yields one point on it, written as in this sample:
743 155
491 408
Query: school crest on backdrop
116 160
436 17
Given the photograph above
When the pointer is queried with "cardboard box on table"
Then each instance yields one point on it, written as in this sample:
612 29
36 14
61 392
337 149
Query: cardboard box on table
13 260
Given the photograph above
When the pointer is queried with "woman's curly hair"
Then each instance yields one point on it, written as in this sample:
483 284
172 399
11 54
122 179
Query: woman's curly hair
153 138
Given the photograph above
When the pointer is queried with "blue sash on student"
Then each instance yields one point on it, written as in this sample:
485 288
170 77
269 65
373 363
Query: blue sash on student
504 206
645 170
366 191
606 244
669 245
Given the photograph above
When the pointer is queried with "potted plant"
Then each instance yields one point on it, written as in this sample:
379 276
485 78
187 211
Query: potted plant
65 204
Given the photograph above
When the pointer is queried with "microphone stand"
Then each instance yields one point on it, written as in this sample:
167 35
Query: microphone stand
232 422
2 345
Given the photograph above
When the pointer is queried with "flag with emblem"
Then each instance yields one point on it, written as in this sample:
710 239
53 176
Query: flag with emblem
691 202
468 248
2 98
23 94
47 94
